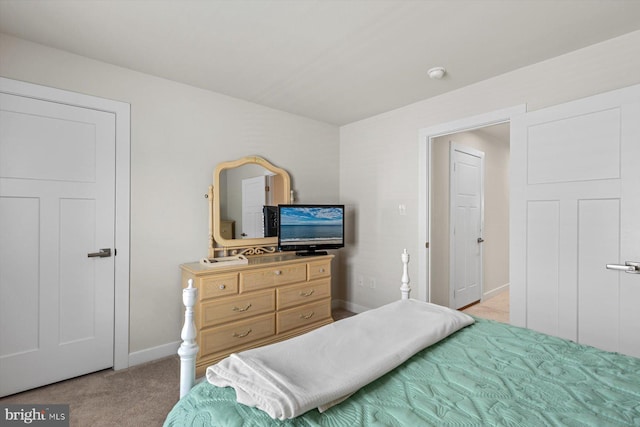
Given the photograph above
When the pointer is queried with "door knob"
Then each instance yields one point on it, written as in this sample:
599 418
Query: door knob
480 240
103 253
628 267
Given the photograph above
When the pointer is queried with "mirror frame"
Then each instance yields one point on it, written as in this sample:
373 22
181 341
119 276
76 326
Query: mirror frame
255 246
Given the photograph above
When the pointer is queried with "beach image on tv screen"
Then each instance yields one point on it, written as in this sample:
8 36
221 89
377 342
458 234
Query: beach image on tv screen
311 226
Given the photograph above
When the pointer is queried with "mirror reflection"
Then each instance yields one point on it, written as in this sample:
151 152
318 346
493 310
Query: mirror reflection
245 194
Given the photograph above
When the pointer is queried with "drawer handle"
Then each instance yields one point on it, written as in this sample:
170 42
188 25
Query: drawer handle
307 316
277 272
237 335
307 294
321 269
238 309
222 287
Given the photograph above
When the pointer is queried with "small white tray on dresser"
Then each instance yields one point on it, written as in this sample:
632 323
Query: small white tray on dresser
224 261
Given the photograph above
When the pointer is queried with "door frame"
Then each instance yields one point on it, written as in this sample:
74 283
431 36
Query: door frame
453 146
425 142
122 112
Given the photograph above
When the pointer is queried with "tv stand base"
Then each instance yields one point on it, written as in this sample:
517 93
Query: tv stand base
311 253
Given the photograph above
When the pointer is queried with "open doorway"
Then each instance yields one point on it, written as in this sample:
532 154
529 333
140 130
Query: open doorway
493 239
426 254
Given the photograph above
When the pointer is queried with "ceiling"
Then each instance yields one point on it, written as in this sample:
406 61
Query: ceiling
330 60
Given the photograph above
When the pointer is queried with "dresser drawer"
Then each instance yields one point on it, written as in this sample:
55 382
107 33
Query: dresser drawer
319 269
217 286
267 277
304 315
236 308
219 338
293 295
272 298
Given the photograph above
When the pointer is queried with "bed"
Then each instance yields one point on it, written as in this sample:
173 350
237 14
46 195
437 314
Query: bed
485 374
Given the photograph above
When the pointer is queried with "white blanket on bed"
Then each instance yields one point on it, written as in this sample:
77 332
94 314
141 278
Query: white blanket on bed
328 364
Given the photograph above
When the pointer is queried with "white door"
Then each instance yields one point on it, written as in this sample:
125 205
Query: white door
57 200
467 177
575 209
253 200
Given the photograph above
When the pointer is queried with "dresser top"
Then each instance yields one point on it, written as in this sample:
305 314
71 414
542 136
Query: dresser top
255 261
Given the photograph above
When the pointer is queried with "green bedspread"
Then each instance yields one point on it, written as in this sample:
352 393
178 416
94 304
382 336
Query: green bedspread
487 374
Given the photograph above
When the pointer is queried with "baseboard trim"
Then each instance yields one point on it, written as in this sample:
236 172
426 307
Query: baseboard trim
354 308
496 291
153 353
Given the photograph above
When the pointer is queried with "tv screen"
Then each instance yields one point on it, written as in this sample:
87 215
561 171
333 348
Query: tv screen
310 228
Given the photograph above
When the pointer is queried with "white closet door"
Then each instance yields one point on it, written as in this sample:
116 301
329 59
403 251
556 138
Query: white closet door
575 208
57 205
467 205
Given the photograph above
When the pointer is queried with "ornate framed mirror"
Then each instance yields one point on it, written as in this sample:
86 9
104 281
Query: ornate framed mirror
240 190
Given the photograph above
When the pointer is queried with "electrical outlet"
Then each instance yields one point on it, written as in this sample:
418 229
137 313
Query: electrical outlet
371 283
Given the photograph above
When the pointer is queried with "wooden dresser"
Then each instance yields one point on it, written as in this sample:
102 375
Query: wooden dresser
273 298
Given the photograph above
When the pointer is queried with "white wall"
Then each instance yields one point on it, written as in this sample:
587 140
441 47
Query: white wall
180 132
379 161
178 135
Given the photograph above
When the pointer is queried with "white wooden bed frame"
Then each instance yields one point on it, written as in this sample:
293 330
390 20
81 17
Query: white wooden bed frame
189 347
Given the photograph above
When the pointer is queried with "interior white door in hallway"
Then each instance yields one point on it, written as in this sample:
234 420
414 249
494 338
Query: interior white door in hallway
57 206
253 200
467 200
575 209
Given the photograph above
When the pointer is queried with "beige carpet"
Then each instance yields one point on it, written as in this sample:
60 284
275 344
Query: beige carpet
138 396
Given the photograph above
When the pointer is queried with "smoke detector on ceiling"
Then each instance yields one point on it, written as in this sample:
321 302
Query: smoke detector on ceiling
436 73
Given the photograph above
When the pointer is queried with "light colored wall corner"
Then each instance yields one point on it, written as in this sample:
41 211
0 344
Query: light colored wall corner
379 156
346 305
178 135
154 353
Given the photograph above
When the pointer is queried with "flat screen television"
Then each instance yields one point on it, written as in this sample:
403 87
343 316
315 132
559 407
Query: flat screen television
309 229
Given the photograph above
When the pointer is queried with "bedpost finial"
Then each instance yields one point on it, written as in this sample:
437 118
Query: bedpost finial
405 289
189 294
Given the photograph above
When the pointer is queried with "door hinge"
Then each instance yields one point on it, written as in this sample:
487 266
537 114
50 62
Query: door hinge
426 245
